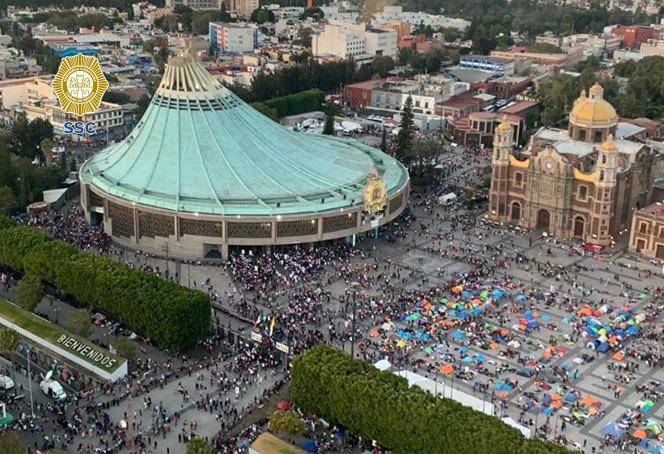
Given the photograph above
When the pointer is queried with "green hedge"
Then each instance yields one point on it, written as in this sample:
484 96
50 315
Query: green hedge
172 316
302 102
381 406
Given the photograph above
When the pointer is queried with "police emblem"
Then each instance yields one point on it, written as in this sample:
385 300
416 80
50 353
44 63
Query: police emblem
79 84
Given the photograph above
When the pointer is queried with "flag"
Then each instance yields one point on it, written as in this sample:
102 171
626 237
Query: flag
258 320
272 323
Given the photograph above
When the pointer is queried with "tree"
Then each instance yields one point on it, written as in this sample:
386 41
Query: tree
78 321
406 55
262 15
287 422
12 443
7 200
383 140
315 13
126 348
29 292
382 65
198 445
28 136
328 129
9 340
405 135
47 150
269 112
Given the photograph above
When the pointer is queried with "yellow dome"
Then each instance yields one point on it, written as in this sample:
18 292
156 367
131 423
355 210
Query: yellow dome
592 110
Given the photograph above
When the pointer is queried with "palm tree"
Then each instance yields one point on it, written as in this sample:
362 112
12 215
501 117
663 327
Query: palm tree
9 343
198 445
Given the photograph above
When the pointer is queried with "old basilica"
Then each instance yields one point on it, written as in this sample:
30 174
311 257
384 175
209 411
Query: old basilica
584 182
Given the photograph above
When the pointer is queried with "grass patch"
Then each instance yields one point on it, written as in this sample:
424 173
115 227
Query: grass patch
51 333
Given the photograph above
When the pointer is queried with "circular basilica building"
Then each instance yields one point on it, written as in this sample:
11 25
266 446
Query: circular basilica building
203 171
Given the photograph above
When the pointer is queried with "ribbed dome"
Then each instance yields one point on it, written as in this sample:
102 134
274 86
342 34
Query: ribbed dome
201 149
593 111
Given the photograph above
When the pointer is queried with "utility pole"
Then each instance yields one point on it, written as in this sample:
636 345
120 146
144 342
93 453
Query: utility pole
352 332
32 406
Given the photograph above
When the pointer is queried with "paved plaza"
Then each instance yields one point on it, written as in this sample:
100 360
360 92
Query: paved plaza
512 317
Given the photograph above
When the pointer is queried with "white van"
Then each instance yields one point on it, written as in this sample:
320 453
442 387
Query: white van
52 388
447 199
6 383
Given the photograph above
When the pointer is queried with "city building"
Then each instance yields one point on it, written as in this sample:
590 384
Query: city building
358 95
418 18
633 35
647 234
233 38
340 40
479 128
575 183
34 98
381 42
195 4
352 40
497 65
566 60
243 8
203 172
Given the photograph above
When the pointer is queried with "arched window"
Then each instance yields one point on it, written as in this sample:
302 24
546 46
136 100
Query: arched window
601 175
603 158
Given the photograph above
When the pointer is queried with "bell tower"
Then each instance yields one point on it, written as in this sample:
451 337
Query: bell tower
500 162
605 187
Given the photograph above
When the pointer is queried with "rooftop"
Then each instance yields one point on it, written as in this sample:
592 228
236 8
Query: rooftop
201 149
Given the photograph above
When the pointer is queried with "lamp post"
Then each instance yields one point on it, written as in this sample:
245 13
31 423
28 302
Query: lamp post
32 406
354 285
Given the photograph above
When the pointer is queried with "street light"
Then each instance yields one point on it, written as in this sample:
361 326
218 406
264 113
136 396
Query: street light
32 406
354 285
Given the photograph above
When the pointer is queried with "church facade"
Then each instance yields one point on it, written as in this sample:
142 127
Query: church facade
584 182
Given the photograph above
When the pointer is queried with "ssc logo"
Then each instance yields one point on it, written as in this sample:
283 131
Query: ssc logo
79 84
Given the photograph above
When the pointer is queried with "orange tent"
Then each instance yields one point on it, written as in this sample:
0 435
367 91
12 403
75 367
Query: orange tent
556 404
446 369
373 333
503 394
584 311
555 396
640 434
493 345
619 356
587 400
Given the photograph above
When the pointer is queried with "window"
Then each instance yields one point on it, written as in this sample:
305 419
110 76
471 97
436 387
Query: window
601 175
518 179
603 158
582 135
583 192
643 227
598 136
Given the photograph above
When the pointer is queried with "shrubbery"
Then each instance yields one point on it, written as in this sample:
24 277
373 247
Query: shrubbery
381 406
172 316
302 102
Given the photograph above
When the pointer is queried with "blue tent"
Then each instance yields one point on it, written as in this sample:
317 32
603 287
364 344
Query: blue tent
404 335
603 347
566 365
612 428
464 314
468 359
498 293
571 397
521 298
458 334
480 358
310 446
633 329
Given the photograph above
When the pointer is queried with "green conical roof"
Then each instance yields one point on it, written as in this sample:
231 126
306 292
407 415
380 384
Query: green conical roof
199 148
